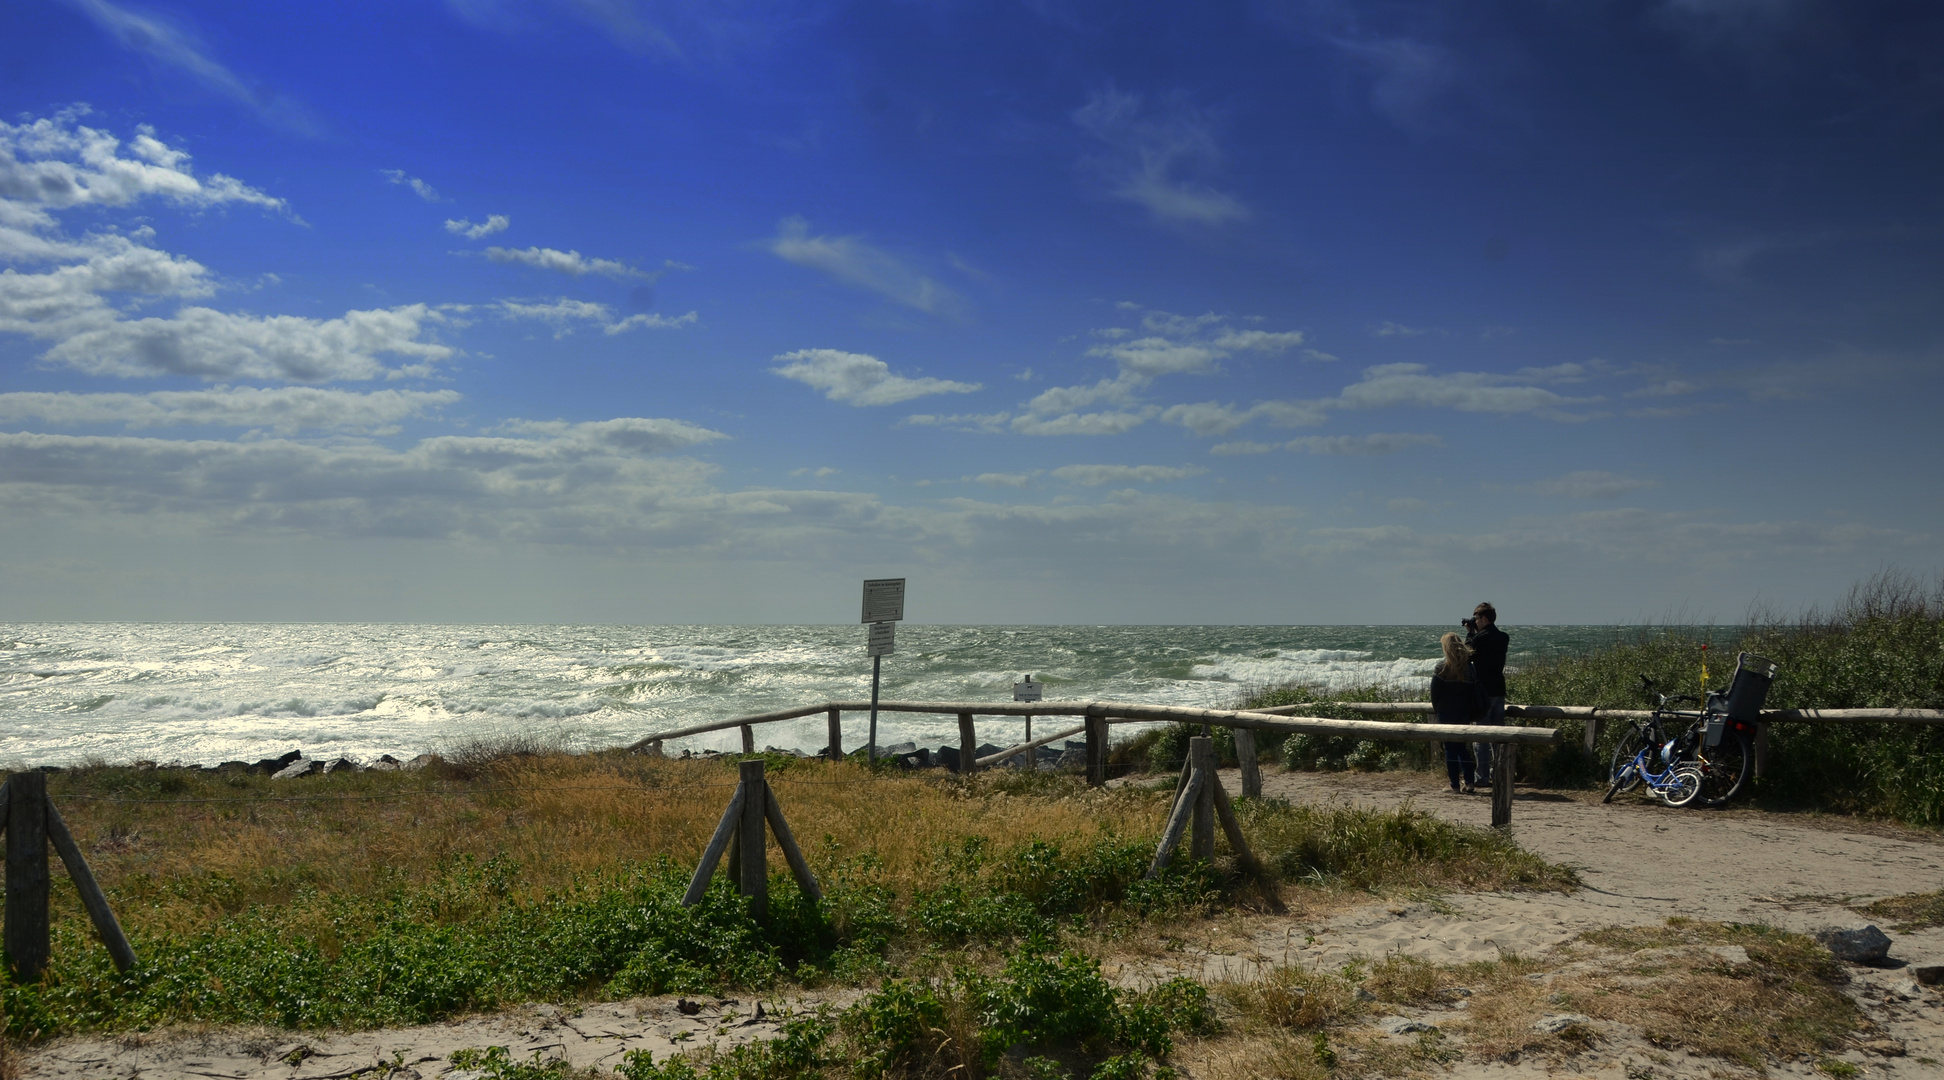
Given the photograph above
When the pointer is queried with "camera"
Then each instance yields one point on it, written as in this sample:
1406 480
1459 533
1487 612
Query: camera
1469 624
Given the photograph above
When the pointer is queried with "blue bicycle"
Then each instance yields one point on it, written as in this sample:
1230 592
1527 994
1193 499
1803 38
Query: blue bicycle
1646 755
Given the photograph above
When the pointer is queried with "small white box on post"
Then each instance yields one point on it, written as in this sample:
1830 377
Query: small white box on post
1028 691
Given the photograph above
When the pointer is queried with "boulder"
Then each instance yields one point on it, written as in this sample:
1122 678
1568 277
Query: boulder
300 767
1554 1023
1929 974
233 766
899 749
420 761
343 764
381 765
947 756
275 765
1402 1025
1855 944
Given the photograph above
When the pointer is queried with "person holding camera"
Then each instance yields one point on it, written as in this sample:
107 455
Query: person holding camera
1488 645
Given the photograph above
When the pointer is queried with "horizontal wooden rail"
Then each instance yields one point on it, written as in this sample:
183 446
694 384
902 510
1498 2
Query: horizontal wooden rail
1010 751
1126 712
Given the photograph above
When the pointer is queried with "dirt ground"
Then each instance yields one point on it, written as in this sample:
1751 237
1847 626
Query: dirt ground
1640 864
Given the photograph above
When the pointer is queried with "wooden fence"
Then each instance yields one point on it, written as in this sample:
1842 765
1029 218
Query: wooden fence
1096 716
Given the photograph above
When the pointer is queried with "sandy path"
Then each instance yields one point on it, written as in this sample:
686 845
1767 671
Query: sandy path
1640 863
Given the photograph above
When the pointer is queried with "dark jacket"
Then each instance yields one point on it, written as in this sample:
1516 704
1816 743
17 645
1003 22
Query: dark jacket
1454 701
1488 648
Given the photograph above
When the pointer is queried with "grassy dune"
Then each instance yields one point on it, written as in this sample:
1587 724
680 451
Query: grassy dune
355 900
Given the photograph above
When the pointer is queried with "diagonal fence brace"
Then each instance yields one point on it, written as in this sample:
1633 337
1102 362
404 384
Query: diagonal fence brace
740 832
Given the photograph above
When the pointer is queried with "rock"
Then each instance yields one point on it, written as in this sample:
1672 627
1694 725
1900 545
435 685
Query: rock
1402 1025
300 767
899 749
1365 995
919 758
1862 944
381 765
987 750
1929 974
233 766
947 756
421 761
687 1007
343 764
1072 759
275 765
1554 1023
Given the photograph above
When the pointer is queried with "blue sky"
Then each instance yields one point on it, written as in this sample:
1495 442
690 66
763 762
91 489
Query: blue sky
604 310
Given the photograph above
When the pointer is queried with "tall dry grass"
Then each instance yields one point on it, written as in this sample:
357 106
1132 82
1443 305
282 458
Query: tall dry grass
179 851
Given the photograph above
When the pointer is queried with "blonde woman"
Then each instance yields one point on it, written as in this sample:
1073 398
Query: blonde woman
1454 697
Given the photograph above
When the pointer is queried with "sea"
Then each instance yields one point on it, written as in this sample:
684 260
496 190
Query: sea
72 693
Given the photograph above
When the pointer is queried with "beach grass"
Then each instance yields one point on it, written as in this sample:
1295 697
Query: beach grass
352 900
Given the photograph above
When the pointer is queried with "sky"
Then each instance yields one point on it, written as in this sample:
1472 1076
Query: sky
1066 311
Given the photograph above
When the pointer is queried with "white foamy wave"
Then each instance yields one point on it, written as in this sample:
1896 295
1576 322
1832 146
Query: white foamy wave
1327 669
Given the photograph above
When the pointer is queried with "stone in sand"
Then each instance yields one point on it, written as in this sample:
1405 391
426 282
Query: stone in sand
1554 1023
1402 1025
1858 944
300 767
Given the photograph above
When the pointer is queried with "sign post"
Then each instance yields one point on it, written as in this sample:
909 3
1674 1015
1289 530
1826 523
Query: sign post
1028 691
883 609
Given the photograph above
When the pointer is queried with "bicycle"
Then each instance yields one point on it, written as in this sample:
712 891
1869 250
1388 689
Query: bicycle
1646 744
1719 740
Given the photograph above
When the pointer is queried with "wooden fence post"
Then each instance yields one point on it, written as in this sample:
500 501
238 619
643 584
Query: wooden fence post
1096 750
1761 749
754 881
26 918
1201 751
836 724
1245 756
749 739
968 746
1592 734
1502 766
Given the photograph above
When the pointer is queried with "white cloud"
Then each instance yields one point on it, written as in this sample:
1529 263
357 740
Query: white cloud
1591 484
563 313
1395 329
1171 345
819 472
421 188
859 379
565 262
172 45
976 423
1362 445
651 321
212 344
283 409
1244 447
1210 418
1411 385
1149 151
1096 475
56 163
854 262
463 227
1097 423
998 479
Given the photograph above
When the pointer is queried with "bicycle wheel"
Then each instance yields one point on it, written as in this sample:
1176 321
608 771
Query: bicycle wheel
1624 773
1682 788
1725 769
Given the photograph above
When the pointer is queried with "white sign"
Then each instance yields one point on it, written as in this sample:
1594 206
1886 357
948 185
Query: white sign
883 600
882 639
1027 691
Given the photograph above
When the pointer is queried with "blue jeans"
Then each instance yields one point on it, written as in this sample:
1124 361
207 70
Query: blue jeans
1458 763
1494 714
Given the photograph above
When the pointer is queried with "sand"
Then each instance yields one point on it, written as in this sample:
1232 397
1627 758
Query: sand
1640 864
